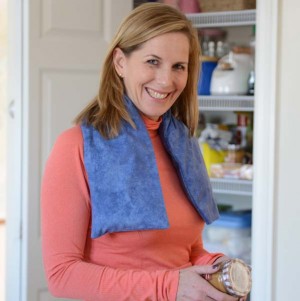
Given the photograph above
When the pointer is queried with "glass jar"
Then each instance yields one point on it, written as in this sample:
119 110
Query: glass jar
233 278
235 154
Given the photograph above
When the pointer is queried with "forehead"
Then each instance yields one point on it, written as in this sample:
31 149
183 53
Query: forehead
173 42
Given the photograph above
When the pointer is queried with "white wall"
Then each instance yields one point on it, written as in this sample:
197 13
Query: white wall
287 166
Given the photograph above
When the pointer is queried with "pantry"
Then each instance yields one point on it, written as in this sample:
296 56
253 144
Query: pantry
226 122
254 192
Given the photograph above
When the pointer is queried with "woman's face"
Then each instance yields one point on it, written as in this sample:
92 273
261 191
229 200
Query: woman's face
155 74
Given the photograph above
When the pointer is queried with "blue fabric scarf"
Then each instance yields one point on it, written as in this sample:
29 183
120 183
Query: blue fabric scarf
123 178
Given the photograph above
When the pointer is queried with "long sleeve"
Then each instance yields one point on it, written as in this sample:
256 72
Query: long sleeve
66 211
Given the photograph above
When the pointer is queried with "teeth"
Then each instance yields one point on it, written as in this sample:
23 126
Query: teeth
155 94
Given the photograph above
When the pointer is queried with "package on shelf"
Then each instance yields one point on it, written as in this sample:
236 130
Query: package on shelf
230 235
208 64
213 142
215 136
231 171
226 5
211 156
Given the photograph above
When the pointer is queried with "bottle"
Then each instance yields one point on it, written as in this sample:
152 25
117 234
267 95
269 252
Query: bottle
220 51
233 278
251 83
234 154
242 123
252 43
211 49
251 78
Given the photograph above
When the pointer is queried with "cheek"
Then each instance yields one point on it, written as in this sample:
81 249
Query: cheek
137 79
182 83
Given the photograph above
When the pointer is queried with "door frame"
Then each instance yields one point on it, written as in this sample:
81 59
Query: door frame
264 205
263 238
15 149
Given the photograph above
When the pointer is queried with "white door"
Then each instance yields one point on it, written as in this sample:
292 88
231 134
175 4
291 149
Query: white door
57 47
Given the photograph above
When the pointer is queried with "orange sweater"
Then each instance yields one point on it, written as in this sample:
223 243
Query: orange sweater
137 265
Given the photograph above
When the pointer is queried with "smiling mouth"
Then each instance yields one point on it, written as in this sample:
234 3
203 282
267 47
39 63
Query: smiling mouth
156 94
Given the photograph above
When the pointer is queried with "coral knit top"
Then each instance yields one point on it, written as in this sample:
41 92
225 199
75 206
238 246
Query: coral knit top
136 265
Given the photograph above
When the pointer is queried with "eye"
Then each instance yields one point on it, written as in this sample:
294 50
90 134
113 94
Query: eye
179 67
152 62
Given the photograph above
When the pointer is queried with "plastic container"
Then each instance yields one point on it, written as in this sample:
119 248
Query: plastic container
230 234
208 65
226 5
211 156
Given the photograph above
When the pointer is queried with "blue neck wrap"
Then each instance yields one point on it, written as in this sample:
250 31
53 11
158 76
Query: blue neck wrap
123 178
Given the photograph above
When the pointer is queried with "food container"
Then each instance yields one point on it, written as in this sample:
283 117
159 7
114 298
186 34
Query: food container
230 234
212 156
235 154
226 5
231 171
230 77
233 278
208 64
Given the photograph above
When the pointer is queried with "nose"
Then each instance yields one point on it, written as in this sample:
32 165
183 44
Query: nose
164 77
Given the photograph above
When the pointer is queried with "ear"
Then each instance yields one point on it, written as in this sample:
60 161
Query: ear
119 60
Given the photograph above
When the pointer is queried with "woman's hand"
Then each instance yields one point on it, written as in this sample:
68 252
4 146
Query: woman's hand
193 287
219 261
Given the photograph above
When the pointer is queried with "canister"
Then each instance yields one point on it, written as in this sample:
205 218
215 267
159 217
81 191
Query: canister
233 278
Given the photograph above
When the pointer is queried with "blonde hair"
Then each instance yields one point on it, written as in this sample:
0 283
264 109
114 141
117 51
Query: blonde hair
106 111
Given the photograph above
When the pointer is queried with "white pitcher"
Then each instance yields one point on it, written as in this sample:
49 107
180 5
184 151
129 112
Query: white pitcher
230 77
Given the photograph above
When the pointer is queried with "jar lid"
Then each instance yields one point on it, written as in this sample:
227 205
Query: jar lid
233 147
236 277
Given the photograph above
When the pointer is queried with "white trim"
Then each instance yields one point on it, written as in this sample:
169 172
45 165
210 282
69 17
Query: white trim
264 154
26 160
263 251
14 155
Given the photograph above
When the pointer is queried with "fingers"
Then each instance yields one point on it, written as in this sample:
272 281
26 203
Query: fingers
243 298
205 269
214 294
207 298
217 295
192 286
207 277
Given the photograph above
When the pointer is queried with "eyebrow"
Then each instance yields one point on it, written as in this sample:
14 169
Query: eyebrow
159 58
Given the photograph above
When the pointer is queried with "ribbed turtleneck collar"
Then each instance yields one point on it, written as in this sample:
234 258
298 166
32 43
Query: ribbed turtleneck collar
151 125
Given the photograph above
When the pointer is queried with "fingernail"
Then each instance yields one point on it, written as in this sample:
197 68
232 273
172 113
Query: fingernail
215 266
205 276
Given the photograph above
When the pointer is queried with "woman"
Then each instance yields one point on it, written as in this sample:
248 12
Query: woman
125 193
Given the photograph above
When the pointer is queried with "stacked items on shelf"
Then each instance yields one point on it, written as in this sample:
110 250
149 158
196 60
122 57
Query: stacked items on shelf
195 6
225 69
227 75
230 234
227 149
226 5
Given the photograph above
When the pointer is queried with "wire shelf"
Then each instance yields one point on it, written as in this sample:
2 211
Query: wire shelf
221 19
226 103
231 186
